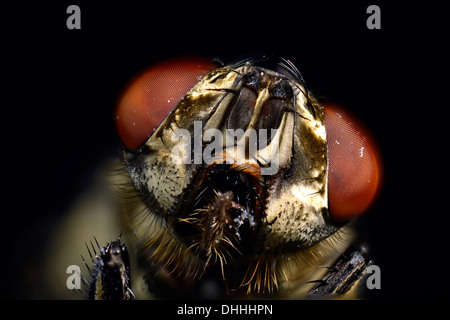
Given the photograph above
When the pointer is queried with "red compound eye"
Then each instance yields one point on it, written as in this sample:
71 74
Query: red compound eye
354 165
151 97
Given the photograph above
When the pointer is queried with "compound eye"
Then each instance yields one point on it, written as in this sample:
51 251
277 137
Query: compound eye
153 95
354 165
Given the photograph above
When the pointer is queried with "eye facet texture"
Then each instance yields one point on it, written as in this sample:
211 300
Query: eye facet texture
153 95
354 165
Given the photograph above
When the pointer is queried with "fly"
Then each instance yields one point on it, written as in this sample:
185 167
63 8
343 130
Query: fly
237 175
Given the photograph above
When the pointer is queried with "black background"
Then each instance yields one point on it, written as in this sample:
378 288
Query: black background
61 87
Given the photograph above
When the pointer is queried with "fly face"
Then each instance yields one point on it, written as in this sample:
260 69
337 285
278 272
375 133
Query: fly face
233 182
